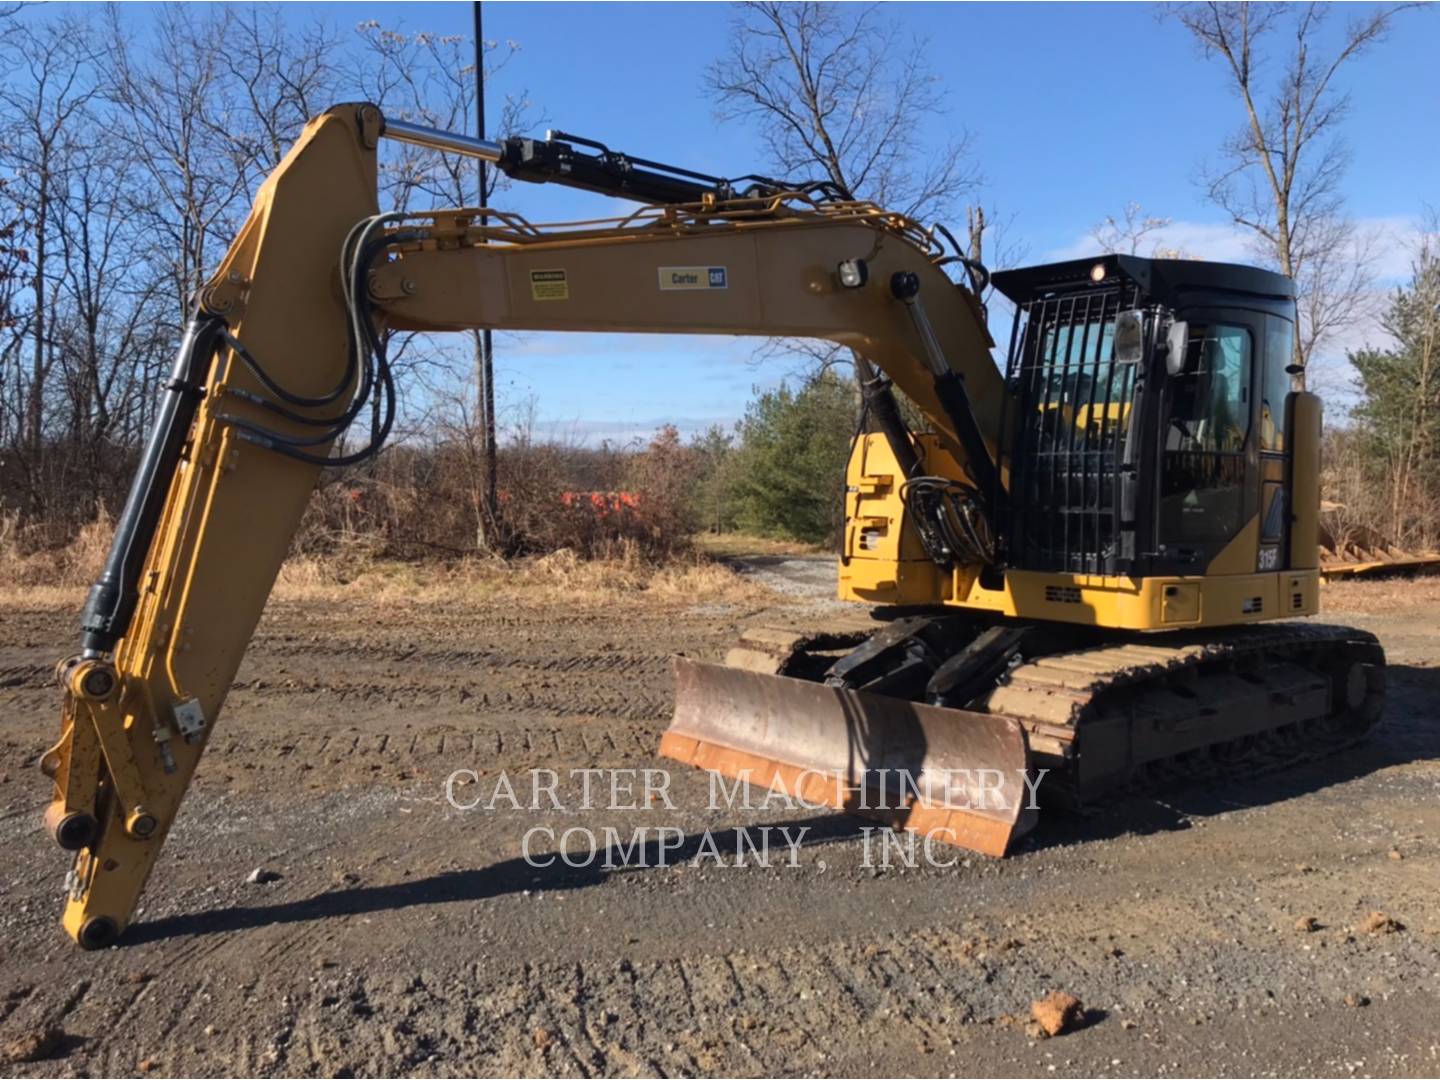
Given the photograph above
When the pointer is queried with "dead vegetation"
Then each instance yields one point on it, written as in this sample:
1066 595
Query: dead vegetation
626 577
37 574
623 573
581 526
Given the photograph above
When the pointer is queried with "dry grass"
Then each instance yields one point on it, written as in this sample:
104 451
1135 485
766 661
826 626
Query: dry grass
625 577
58 578
1380 595
50 577
729 545
560 579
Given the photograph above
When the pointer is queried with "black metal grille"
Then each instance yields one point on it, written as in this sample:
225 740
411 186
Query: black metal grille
1067 440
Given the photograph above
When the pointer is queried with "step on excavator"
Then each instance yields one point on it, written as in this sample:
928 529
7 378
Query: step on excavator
1081 566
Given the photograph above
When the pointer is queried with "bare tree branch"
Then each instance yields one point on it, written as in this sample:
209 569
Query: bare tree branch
838 94
835 89
1278 175
1127 234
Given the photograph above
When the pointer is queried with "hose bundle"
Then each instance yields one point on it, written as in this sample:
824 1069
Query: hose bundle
367 367
950 519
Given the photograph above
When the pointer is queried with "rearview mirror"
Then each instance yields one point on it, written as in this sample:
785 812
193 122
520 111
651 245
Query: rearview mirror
1177 344
1129 337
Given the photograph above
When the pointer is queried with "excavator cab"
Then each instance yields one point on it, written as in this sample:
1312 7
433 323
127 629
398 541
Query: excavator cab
1149 416
1149 449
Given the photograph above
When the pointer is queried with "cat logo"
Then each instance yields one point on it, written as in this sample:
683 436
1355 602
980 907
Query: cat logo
691 278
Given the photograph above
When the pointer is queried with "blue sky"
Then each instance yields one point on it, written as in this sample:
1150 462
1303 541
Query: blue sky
1074 110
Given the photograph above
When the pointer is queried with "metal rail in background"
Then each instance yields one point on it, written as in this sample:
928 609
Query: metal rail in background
435 139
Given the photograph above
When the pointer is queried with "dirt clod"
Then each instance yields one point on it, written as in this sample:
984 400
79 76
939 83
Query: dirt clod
1377 922
32 1046
542 1038
1307 924
1057 1012
1356 1001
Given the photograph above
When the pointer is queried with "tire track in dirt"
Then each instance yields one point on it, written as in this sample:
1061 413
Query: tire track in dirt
739 1011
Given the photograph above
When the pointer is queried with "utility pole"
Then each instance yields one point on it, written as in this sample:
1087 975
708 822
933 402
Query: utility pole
485 357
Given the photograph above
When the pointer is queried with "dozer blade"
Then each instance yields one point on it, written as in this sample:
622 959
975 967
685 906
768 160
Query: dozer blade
956 776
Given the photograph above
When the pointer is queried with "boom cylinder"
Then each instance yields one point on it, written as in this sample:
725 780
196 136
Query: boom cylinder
111 602
449 141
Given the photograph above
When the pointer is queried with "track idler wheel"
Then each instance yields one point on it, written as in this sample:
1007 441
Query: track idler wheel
1360 693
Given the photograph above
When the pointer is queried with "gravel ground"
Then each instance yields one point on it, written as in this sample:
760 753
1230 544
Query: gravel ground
1224 930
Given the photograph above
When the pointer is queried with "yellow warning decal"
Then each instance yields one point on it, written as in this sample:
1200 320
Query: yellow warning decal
549 285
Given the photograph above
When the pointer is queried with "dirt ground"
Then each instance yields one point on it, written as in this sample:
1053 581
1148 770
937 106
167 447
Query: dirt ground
401 935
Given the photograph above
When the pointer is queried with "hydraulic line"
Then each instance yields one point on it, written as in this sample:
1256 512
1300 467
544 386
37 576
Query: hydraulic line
367 356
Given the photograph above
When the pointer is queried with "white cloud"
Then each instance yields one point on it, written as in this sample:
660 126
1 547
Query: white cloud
1390 241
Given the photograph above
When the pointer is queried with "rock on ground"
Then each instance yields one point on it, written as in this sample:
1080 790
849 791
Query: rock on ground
1377 922
1057 1012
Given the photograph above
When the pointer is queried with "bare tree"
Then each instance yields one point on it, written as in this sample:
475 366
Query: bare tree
14 312
197 184
430 79
1127 234
110 332
48 92
835 88
1279 174
838 96
207 124
280 74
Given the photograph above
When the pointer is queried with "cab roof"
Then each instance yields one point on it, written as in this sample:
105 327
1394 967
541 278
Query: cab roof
1159 279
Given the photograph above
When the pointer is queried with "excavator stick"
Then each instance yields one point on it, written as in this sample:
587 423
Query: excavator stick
207 525
955 776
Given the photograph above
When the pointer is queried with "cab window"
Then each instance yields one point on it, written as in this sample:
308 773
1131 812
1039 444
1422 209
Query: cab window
1207 423
1276 385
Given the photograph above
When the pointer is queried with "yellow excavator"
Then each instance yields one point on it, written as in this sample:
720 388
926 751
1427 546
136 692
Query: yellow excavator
1075 564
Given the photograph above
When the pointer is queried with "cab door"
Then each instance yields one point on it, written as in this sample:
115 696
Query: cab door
1209 468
